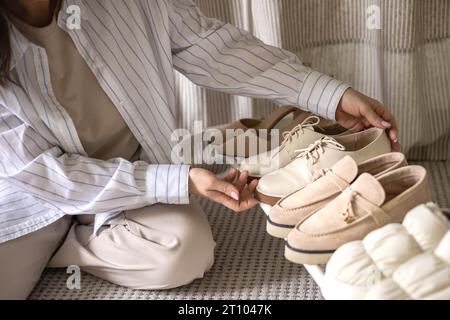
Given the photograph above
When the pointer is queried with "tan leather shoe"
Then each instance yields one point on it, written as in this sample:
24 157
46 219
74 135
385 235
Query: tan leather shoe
299 205
368 204
321 155
245 131
267 123
301 136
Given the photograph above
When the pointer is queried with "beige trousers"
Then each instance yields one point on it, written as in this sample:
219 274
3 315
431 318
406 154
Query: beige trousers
157 247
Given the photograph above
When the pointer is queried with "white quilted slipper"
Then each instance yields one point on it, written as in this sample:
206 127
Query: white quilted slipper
408 261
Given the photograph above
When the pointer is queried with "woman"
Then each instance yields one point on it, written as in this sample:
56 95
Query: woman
86 118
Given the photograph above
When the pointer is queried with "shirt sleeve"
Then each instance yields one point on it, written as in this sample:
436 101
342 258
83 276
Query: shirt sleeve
221 57
78 185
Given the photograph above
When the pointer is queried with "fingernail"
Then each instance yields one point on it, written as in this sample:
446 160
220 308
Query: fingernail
386 124
235 196
394 137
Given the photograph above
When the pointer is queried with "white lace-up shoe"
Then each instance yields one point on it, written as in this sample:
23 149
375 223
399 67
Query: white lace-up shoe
306 133
310 162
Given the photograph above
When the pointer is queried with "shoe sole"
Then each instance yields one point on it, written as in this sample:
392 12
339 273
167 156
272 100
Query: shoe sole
261 197
304 257
277 231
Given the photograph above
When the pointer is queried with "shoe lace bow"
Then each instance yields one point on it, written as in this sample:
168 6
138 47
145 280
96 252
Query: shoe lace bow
308 123
315 150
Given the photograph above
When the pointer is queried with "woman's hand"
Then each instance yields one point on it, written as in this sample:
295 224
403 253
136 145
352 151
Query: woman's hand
231 192
357 112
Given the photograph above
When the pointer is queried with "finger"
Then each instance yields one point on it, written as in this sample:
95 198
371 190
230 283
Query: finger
242 181
396 146
393 132
393 135
249 192
366 123
349 122
231 176
382 111
247 205
236 206
387 118
224 200
367 112
226 188
252 186
358 127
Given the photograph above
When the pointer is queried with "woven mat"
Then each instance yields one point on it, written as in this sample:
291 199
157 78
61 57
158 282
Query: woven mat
249 263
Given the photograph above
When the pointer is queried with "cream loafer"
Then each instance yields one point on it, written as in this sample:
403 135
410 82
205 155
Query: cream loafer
299 205
369 203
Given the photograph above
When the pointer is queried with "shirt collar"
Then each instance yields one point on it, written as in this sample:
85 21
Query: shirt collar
20 44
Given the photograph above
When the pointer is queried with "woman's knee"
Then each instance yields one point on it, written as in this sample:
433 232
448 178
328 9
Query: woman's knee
193 255
168 247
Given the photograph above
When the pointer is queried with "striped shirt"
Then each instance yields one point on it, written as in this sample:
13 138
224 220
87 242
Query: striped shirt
132 47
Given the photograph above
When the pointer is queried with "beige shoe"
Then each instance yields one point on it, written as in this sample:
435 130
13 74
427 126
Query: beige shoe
246 131
299 205
321 155
307 132
267 123
368 204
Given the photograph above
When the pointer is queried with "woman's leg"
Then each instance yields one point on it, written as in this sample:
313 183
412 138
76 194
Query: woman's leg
157 247
22 260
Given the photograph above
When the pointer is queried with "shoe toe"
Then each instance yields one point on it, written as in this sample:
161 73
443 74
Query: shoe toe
297 239
279 184
281 217
309 241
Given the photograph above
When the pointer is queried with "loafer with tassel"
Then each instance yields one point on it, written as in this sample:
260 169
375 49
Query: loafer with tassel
368 204
299 205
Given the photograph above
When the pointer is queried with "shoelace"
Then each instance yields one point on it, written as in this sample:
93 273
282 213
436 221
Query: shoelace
348 214
315 150
309 122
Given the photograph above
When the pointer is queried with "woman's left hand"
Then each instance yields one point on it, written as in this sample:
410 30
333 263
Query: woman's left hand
232 191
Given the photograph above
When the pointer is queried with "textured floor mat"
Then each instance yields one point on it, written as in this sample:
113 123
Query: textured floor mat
249 263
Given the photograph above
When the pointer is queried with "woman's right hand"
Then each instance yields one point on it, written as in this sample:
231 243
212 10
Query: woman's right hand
357 112
232 192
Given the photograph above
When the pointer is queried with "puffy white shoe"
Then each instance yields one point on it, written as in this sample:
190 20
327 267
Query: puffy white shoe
399 261
323 154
